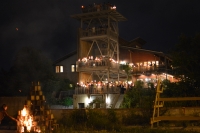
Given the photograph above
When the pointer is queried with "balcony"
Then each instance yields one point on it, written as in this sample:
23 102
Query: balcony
93 90
141 69
150 69
96 65
97 32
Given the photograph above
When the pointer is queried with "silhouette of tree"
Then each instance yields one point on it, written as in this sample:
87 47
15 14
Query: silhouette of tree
186 60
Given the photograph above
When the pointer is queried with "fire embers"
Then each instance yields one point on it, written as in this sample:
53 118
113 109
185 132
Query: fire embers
25 120
36 116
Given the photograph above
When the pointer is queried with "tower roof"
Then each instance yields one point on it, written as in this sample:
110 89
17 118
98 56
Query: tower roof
99 14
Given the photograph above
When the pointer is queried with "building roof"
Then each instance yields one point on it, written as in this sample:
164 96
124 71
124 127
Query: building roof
65 57
135 43
157 53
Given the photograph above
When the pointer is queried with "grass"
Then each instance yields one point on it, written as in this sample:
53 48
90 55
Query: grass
63 129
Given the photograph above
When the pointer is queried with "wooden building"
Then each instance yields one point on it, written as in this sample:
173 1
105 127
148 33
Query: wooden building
95 66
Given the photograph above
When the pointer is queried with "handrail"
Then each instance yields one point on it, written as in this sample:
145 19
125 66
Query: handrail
94 64
96 32
96 90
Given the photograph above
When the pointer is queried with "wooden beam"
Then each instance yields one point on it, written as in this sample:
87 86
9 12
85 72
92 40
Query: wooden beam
176 118
179 99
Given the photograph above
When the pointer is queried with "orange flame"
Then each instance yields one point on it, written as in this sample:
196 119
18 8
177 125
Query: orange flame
26 120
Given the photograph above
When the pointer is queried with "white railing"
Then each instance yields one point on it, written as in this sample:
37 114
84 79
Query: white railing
96 90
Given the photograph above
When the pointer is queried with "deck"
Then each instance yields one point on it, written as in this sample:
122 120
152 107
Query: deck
97 90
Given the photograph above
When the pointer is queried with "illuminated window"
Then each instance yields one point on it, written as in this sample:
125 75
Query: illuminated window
59 69
73 68
157 63
149 63
145 63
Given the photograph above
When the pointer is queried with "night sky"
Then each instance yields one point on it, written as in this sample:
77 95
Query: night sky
47 25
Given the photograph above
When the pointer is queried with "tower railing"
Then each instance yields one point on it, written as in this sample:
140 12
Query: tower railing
91 32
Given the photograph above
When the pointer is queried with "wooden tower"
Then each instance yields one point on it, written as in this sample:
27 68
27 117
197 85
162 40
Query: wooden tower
98 47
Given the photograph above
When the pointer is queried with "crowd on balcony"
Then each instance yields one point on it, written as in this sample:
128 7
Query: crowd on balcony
96 87
98 61
102 87
98 7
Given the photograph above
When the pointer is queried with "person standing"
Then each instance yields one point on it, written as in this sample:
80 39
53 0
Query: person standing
3 113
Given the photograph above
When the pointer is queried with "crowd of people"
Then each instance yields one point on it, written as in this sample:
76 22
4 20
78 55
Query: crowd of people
90 61
94 87
98 7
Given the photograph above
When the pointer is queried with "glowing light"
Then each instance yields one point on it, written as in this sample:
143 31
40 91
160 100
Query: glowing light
130 64
129 82
108 100
25 120
16 29
23 113
87 100
114 7
123 62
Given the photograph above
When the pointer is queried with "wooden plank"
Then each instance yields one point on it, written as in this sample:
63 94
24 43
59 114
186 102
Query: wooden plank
176 118
93 37
179 99
158 106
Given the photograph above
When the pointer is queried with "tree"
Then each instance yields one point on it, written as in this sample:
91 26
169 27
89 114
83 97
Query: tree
139 97
67 101
127 69
29 65
52 88
186 60
32 65
132 96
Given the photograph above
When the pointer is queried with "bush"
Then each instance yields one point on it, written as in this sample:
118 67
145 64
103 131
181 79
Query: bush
97 120
134 119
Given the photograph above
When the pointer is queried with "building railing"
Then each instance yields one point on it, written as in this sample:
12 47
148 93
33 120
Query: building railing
97 90
96 64
144 69
158 68
97 32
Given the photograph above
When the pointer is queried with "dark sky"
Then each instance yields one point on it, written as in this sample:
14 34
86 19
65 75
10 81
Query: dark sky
47 25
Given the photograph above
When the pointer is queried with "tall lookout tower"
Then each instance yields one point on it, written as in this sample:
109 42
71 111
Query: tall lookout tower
98 50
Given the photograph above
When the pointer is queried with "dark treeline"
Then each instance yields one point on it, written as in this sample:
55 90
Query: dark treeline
31 65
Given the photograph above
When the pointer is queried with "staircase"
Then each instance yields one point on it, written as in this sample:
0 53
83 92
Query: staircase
119 101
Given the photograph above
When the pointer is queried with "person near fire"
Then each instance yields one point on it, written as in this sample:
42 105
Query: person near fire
3 113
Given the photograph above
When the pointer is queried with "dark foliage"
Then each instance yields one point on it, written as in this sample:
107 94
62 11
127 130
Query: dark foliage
186 60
